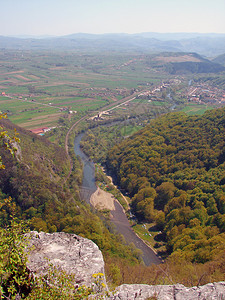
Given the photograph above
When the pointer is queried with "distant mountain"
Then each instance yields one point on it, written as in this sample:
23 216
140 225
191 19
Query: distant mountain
32 36
180 35
183 63
210 45
220 59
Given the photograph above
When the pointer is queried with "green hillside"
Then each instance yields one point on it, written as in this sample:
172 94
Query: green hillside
220 59
174 171
34 179
185 63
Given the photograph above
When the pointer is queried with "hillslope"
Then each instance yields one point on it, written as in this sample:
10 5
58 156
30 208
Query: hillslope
34 179
174 172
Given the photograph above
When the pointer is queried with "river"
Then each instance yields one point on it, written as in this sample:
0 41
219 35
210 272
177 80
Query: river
119 218
88 181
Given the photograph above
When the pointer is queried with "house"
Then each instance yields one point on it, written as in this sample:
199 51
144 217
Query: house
39 131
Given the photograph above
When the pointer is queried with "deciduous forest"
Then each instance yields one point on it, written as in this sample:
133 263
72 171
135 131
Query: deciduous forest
173 170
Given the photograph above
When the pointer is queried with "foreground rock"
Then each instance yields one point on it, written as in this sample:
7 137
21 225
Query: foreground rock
69 252
82 257
210 291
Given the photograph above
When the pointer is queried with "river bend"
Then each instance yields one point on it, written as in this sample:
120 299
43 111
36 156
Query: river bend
119 218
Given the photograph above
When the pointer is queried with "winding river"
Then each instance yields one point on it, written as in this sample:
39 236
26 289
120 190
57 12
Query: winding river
119 218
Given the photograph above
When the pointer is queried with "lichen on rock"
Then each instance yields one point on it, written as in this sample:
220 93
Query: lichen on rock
68 252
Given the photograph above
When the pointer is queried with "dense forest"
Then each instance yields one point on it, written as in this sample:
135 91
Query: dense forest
173 170
194 67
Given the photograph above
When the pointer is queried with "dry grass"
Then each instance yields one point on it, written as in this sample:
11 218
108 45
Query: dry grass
182 58
41 120
22 77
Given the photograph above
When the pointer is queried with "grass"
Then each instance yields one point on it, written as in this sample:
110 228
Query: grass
148 233
16 89
16 106
196 109
129 130
28 114
144 234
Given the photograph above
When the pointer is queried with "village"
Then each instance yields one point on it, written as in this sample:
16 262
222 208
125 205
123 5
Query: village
200 93
205 93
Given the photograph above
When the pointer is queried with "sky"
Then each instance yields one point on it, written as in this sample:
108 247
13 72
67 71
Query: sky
63 17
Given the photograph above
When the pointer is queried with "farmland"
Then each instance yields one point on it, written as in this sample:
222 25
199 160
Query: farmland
40 87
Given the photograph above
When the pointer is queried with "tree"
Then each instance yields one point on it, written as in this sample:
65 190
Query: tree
15 280
14 277
165 192
7 141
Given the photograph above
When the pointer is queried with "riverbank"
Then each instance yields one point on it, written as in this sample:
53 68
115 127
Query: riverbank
102 200
93 194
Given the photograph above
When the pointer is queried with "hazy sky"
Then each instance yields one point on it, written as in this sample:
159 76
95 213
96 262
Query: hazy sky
61 17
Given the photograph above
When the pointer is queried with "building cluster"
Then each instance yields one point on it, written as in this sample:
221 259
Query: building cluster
157 89
204 93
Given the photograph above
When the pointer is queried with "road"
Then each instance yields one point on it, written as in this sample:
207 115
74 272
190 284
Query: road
107 109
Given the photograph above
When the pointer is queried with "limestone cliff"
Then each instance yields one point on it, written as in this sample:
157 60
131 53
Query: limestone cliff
82 257
211 291
70 252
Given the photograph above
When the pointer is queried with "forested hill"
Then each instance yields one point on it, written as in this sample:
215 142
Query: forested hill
35 179
174 171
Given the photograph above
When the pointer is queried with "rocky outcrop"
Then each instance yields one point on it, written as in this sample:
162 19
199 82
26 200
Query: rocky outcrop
80 256
69 252
210 291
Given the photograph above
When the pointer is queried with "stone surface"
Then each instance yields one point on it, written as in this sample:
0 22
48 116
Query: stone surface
210 291
82 257
70 252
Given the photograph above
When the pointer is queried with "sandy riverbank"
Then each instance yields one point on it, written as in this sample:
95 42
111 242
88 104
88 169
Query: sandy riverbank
115 186
102 200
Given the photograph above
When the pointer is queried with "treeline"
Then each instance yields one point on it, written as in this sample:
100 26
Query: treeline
34 179
173 170
194 67
97 141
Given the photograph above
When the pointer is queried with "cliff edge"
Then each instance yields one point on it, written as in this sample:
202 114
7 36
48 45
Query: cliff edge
69 252
82 257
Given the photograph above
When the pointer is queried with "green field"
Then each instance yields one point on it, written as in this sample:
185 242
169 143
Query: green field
196 109
148 233
81 82
70 81
129 130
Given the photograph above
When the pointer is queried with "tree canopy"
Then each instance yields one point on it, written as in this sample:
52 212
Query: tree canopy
174 171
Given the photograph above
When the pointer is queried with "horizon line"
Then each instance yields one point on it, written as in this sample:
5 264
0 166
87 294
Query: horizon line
107 33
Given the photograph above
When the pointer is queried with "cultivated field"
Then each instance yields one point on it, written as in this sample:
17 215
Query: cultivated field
39 87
